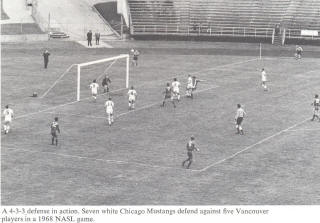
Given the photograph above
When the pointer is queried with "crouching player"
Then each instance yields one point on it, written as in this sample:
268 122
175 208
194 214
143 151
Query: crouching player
239 118
316 106
167 95
132 93
109 105
191 146
54 130
8 116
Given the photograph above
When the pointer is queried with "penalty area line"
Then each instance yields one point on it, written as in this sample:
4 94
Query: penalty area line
251 146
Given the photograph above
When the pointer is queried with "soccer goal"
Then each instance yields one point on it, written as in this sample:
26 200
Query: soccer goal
81 67
73 83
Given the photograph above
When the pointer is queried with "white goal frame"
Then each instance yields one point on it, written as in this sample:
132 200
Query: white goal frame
79 66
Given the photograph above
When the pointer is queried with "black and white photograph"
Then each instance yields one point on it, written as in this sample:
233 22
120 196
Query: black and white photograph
160 103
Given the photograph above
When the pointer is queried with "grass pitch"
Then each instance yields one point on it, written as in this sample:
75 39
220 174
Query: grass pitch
137 161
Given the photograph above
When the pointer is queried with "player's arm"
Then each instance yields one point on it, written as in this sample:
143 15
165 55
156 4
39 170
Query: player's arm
58 129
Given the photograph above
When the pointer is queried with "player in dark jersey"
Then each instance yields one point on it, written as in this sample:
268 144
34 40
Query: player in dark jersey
136 54
190 148
105 84
167 95
54 130
316 108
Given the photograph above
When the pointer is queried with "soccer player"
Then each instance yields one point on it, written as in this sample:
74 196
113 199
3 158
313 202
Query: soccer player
94 89
239 118
316 106
175 89
105 84
189 86
191 146
264 79
132 93
109 105
299 51
8 116
136 54
168 95
54 130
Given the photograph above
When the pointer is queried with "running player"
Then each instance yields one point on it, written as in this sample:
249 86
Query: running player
299 51
264 79
8 116
54 130
109 105
239 118
191 146
105 84
175 89
168 95
316 106
94 89
132 93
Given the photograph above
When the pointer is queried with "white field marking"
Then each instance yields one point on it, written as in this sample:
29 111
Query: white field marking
296 130
131 111
57 106
54 84
98 159
69 103
251 146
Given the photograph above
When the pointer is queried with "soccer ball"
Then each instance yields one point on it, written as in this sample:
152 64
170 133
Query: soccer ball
132 50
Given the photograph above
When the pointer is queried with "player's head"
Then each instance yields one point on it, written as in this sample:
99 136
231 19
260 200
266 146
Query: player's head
110 98
168 84
316 96
132 87
189 75
175 79
192 137
238 105
262 69
7 106
56 119
94 81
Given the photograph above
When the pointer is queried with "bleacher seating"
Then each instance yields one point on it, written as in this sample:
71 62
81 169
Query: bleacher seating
255 18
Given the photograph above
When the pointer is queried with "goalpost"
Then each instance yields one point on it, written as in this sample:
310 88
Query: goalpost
82 65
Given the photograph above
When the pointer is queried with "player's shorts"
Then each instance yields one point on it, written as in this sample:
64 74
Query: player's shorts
94 93
132 99
174 96
7 120
239 120
264 79
135 58
190 155
109 111
189 86
176 91
316 111
167 96
54 134
299 52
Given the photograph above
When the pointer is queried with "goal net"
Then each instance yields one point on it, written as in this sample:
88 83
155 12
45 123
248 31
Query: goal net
73 83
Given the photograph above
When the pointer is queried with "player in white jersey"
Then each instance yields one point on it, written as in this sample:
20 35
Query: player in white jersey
132 93
316 108
189 86
8 116
109 105
94 89
175 89
239 118
264 79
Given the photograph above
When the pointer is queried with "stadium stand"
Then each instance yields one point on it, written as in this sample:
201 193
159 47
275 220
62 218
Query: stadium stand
233 18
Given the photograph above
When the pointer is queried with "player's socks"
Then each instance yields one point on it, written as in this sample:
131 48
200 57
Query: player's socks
52 141
56 142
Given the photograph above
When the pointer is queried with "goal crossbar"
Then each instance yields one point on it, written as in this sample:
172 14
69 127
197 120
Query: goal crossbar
122 56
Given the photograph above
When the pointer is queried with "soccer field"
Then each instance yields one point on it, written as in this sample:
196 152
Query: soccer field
137 161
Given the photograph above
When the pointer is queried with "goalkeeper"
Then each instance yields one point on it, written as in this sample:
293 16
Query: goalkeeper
105 84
